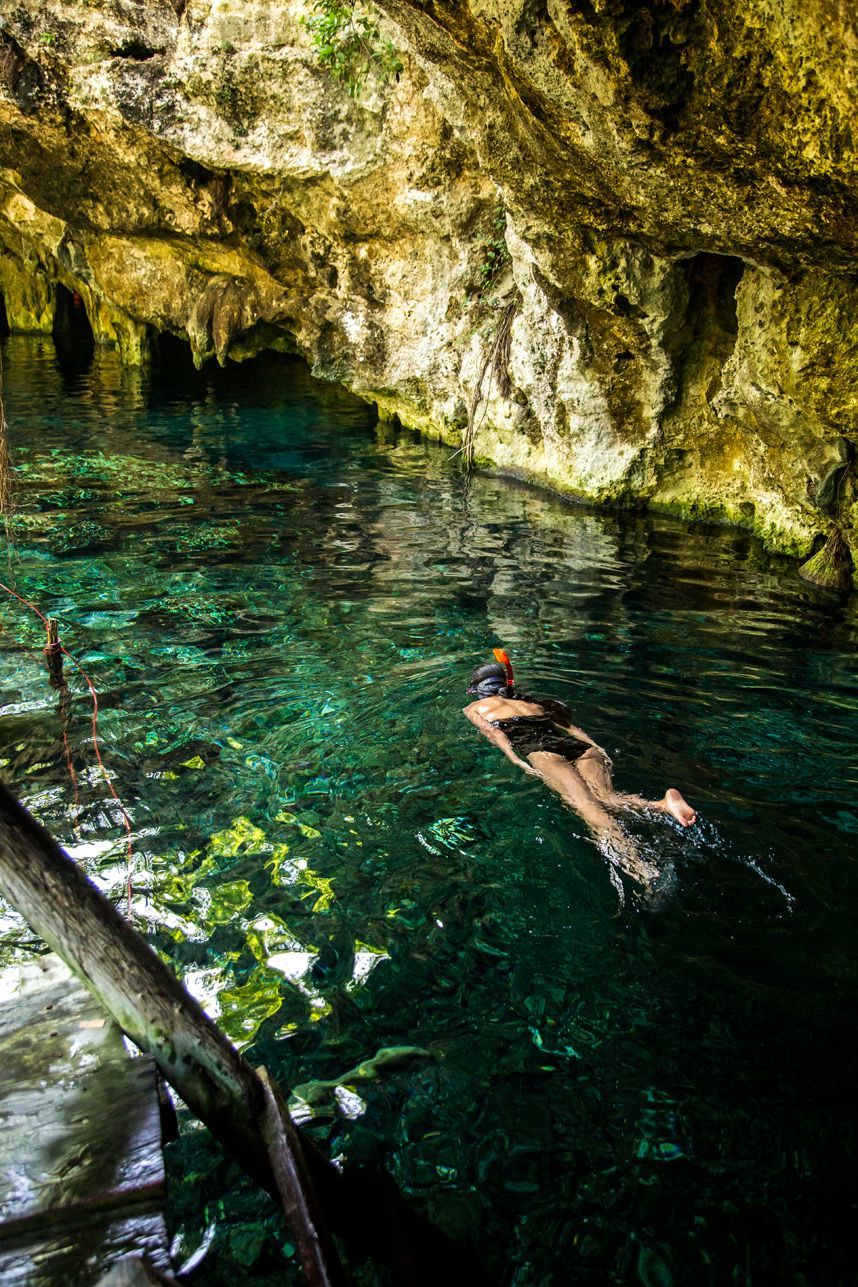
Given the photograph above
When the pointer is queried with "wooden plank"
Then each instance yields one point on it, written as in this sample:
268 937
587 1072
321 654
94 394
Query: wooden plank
296 1192
149 1003
129 980
77 1258
133 985
81 1170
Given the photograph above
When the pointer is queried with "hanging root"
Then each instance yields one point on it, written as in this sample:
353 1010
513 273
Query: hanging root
832 567
470 432
501 348
496 361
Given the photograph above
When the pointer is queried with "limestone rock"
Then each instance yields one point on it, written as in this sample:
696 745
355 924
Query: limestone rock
661 194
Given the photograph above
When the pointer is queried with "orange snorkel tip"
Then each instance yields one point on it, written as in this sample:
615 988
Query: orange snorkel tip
504 660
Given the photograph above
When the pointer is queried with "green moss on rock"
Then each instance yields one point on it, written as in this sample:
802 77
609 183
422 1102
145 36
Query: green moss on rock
668 190
832 567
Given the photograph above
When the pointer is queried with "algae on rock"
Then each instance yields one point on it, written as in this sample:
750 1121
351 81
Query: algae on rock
832 566
679 227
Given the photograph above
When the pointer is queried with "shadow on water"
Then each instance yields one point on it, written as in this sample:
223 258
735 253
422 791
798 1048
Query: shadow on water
280 602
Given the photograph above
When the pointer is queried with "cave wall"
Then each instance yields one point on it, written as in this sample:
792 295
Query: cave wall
609 245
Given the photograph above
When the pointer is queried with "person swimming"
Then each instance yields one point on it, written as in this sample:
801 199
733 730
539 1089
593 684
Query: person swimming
538 735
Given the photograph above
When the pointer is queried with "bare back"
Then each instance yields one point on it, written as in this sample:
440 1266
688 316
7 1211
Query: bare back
494 709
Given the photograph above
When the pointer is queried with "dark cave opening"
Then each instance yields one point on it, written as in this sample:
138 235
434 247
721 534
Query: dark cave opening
71 327
712 283
136 50
706 335
4 320
171 353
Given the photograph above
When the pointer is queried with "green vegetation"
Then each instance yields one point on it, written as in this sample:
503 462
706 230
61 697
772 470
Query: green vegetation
495 255
349 44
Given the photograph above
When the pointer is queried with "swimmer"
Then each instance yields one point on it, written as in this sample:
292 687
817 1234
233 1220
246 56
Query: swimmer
539 737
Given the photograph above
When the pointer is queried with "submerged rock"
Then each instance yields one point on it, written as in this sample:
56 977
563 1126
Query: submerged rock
660 197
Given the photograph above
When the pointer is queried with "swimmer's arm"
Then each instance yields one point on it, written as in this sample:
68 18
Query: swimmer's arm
498 738
580 734
558 713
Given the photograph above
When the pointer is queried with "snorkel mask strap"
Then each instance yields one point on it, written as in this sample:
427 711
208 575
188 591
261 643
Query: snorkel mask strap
502 657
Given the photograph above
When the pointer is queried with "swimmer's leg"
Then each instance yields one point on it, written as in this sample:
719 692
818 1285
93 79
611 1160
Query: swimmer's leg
594 768
563 777
672 802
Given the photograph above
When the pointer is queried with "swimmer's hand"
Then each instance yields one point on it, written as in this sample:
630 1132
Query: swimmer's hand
510 754
498 738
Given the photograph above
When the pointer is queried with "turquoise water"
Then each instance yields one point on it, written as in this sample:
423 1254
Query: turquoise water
279 602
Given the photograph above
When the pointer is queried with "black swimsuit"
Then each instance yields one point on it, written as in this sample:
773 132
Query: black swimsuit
528 733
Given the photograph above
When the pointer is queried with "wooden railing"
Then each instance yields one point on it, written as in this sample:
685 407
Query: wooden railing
239 1104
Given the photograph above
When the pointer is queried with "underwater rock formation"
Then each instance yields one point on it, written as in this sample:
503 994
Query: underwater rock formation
654 199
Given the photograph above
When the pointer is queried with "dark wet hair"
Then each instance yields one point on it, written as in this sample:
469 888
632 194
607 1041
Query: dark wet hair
490 681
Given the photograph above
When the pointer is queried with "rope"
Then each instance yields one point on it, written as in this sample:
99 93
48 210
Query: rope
7 493
34 656
51 648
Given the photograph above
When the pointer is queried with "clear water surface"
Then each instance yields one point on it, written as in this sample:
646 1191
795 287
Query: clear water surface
279 602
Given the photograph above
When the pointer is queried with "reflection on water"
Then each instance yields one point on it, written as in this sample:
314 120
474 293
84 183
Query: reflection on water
279 604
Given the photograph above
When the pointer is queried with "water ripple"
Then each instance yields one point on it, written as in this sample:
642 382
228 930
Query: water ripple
280 604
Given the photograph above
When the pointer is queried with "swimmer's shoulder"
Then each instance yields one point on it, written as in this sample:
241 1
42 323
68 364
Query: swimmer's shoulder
499 708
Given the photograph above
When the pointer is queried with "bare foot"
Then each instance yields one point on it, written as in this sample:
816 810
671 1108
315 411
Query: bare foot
680 808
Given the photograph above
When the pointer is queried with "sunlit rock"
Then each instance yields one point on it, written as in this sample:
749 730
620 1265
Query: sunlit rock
659 197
